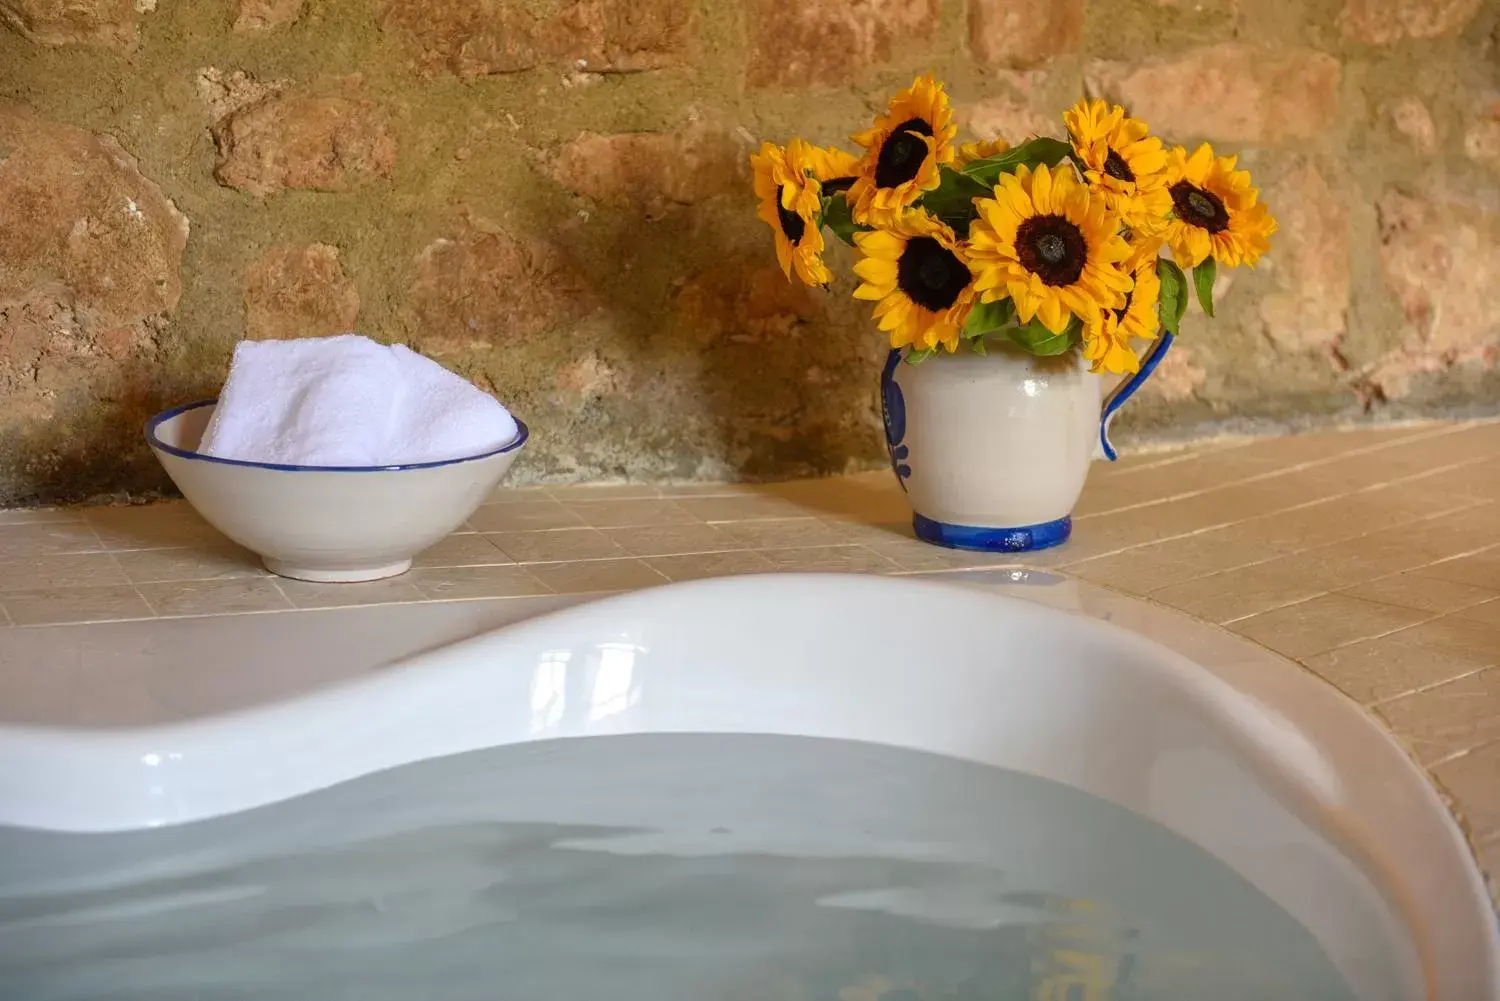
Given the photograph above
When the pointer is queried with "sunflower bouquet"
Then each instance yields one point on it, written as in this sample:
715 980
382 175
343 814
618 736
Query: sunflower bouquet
1049 245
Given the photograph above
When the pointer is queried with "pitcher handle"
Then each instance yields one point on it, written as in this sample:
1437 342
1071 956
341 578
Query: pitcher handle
1125 390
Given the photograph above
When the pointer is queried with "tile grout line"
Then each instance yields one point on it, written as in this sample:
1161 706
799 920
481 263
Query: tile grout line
1362 639
1421 689
1421 430
142 595
1298 507
1449 758
1299 467
1371 580
276 584
1072 567
1313 503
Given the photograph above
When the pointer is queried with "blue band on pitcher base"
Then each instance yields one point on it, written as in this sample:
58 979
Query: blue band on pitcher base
993 540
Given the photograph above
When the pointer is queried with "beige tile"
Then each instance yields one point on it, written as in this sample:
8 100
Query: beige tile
1103 534
476 582
749 507
1103 495
392 591
596 575
464 549
784 533
556 545
1320 624
914 556
876 533
1420 454
1474 480
1397 549
624 513
672 540
676 490
862 498
1160 564
1428 594
1480 569
1335 520
40 515
507 494
64 570
1135 457
31 539
215 597
1322 446
216 559
1452 718
5 620
1487 612
1239 593
831 559
166 525
1487 853
605 491
1111 488
1422 656
1473 780
75 604
698 565
523 516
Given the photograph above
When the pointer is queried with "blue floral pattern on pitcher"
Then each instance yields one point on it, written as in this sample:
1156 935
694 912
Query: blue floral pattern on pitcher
893 410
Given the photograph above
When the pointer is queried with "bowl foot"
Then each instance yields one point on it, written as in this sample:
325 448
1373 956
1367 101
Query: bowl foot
347 575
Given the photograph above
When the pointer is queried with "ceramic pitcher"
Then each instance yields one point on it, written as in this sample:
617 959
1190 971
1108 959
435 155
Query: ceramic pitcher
993 450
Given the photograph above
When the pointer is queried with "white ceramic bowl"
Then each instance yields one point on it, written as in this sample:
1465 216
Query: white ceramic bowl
325 523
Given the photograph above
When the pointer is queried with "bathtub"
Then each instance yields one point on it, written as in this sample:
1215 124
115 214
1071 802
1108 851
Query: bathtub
1264 767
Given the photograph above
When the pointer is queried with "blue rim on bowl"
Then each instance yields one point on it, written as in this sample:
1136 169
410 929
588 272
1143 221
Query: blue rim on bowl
522 433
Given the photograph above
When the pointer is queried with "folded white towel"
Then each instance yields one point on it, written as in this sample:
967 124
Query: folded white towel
348 401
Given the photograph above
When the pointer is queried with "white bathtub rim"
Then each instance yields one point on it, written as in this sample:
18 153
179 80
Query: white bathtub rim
89 756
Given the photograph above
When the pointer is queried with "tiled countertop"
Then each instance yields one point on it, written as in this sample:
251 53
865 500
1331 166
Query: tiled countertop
1372 557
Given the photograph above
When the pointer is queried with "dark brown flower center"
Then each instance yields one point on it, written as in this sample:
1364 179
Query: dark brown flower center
1116 167
1052 248
1198 207
902 153
1120 313
834 184
930 274
792 225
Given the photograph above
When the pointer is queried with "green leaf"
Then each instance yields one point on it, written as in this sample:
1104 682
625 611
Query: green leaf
917 357
1037 339
1173 300
952 200
977 345
1036 151
988 317
1203 281
836 216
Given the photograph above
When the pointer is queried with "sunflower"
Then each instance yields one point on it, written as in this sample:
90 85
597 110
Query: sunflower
1106 338
914 269
835 169
903 152
1215 211
1121 161
790 199
981 150
1049 244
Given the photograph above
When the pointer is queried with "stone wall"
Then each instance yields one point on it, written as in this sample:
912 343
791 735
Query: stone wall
552 198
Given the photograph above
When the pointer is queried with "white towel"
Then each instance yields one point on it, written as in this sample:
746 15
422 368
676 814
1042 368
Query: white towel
348 401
